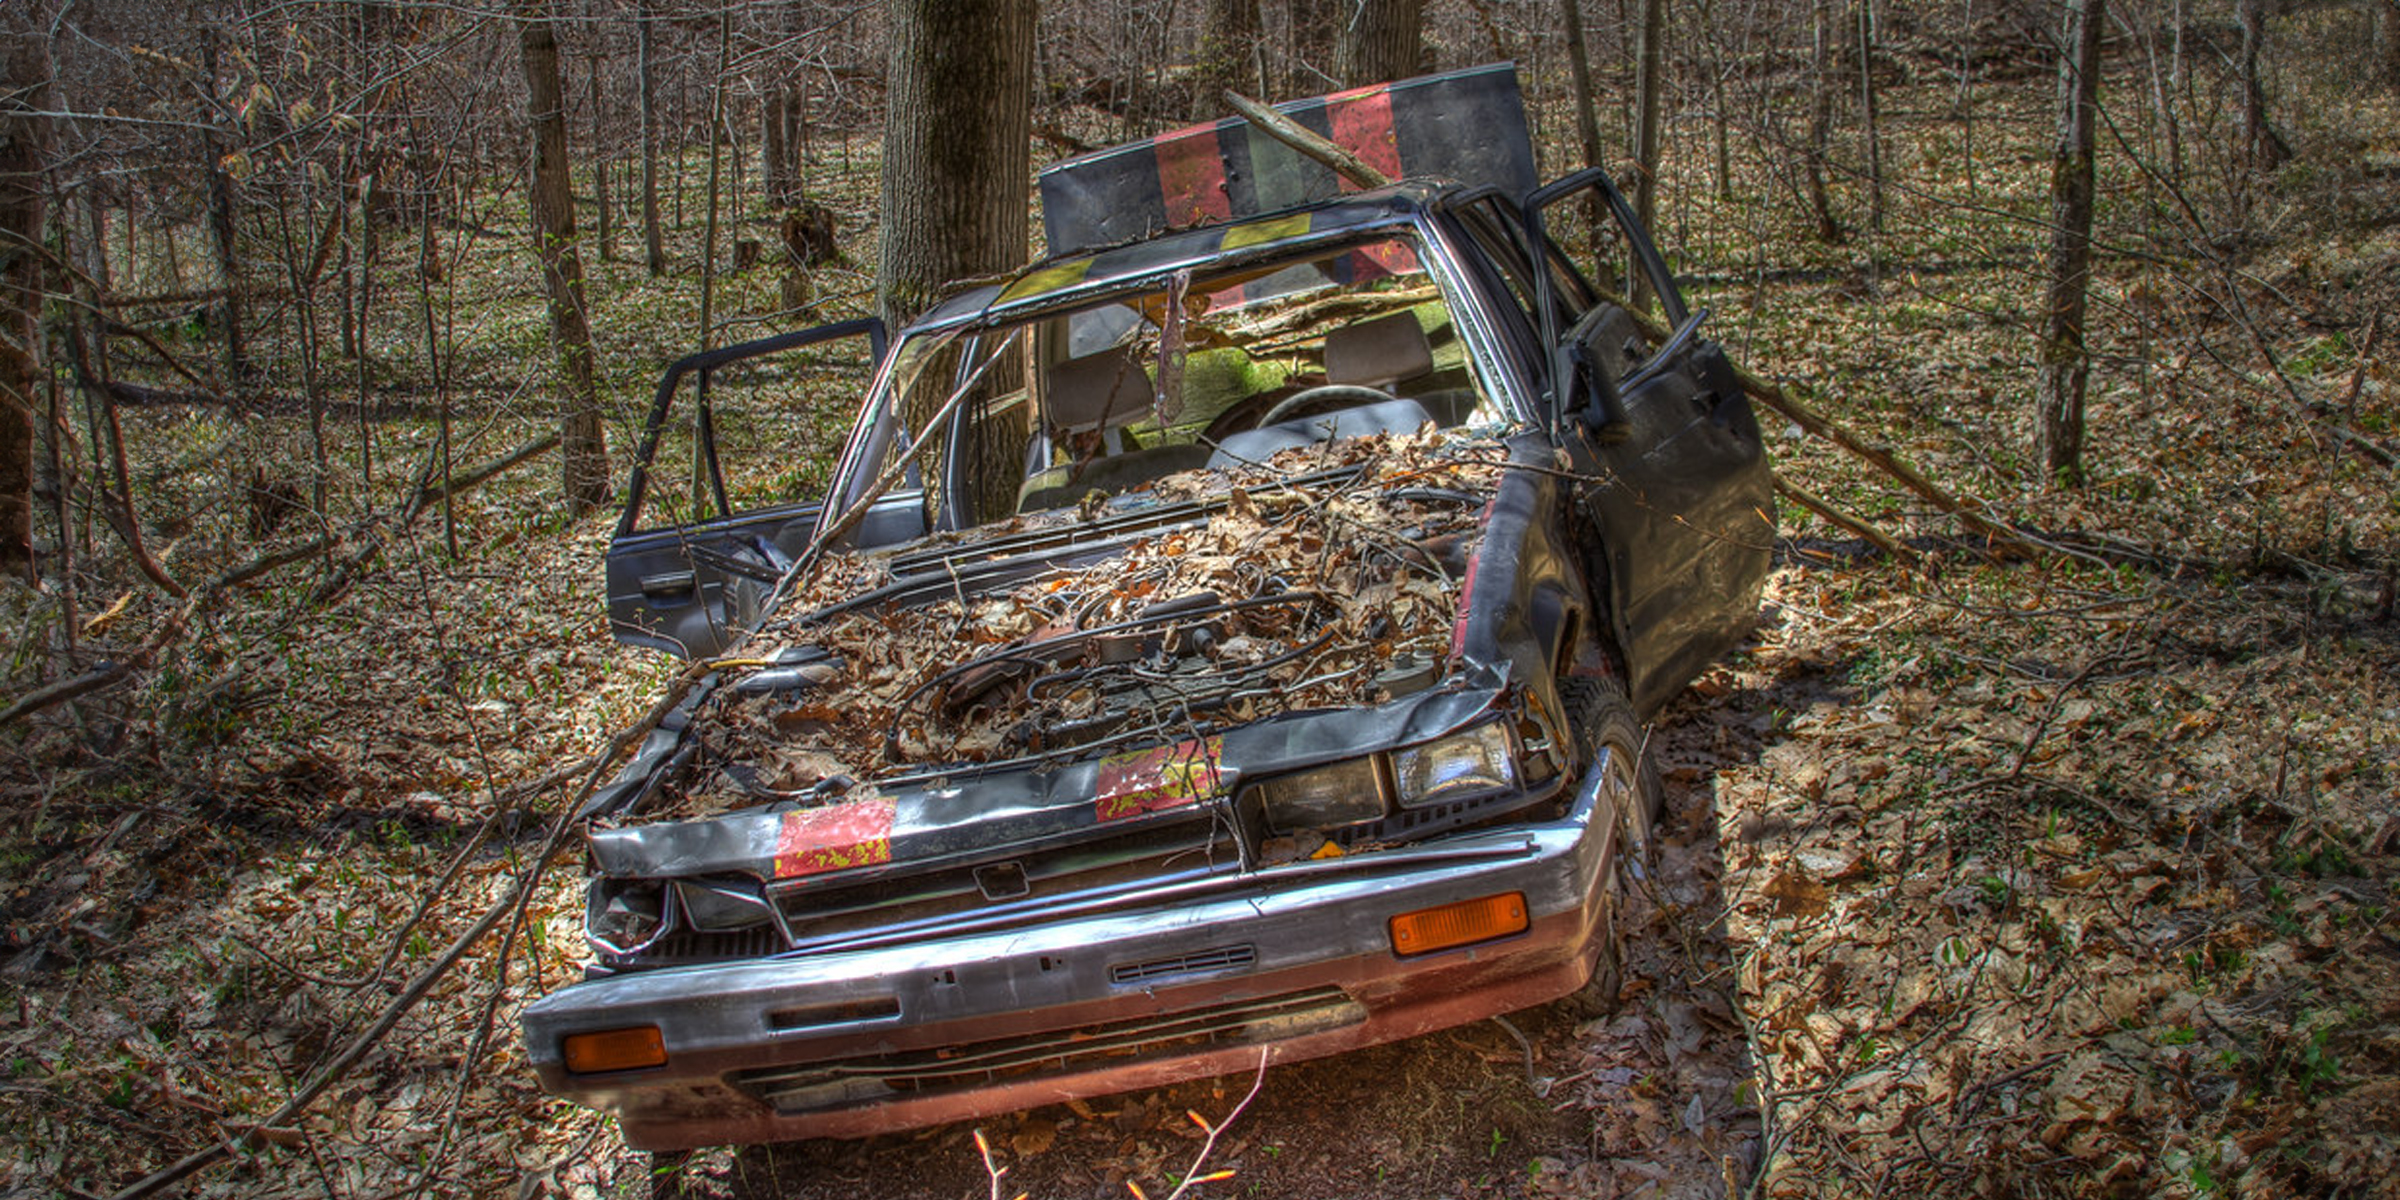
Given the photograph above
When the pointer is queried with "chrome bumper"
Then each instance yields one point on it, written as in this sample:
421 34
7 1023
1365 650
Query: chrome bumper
1294 962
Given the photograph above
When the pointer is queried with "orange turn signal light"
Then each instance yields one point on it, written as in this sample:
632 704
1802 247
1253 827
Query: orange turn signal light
614 1050
1466 922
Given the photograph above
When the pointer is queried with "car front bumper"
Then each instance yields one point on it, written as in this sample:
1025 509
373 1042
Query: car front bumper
1293 962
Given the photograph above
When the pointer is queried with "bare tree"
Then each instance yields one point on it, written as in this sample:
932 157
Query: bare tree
24 155
1383 39
654 246
2387 42
1647 87
2065 368
583 447
956 162
1229 57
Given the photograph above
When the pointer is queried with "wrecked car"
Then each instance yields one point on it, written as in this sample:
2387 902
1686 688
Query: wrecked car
1226 637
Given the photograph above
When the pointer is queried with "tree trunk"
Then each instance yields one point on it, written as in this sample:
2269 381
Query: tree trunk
24 159
2387 41
957 165
775 164
1648 89
600 199
1820 126
2065 368
1579 72
1383 40
2266 147
1868 114
654 244
584 448
1312 24
221 231
1229 56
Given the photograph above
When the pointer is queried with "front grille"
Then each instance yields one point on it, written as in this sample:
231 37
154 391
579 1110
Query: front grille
1199 962
871 1078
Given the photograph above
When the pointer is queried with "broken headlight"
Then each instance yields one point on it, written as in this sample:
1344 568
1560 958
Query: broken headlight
624 916
1462 766
1341 793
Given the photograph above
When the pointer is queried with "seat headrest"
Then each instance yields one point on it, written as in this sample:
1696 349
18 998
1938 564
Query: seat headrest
1097 392
1380 352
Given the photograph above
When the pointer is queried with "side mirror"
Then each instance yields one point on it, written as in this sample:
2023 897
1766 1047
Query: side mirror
1598 409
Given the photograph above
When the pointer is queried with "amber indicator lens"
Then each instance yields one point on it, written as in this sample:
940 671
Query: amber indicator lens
614 1050
1468 921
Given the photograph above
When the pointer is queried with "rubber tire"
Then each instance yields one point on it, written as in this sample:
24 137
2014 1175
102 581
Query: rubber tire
1600 716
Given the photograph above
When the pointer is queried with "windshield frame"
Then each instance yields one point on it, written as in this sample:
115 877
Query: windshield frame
1058 286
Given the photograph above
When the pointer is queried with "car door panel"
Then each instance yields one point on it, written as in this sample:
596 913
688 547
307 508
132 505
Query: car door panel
1685 517
686 573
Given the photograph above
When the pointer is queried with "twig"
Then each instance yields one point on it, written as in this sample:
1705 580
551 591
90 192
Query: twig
1192 1175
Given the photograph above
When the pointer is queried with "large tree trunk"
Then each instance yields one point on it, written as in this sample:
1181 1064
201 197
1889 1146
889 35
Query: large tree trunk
583 448
2266 147
956 163
654 244
1384 39
24 157
2065 368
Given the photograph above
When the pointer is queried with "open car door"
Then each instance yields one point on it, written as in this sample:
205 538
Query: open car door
726 487
1688 515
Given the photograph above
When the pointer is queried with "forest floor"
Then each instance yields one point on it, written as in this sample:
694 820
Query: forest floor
2071 874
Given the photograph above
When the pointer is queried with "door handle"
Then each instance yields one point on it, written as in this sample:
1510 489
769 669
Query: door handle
669 583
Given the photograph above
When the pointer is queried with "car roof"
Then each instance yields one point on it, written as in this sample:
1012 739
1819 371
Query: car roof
1062 277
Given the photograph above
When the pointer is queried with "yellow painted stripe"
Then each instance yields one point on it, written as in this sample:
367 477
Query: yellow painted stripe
1257 233
1048 279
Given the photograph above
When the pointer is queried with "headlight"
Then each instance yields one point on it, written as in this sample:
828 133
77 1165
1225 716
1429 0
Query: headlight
1342 793
1459 767
623 916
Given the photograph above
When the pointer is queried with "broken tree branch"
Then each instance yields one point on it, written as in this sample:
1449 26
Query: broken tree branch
1824 508
1780 397
1283 129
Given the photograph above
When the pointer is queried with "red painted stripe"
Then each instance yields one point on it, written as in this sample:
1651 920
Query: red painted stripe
834 838
1466 587
1191 175
1362 124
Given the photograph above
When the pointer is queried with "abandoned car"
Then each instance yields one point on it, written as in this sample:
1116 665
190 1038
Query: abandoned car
1227 637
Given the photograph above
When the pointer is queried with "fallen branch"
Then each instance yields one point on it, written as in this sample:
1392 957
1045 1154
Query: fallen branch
1291 133
1824 508
109 674
424 495
356 1052
1779 397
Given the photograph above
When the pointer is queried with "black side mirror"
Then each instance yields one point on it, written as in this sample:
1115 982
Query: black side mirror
1599 409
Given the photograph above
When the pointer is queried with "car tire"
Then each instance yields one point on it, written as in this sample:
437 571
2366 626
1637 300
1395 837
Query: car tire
1602 717
1603 720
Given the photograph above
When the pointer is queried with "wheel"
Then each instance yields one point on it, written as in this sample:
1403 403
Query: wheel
1613 742
1317 400
1603 724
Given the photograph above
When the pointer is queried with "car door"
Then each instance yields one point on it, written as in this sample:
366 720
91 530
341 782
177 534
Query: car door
1686 515
727 484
